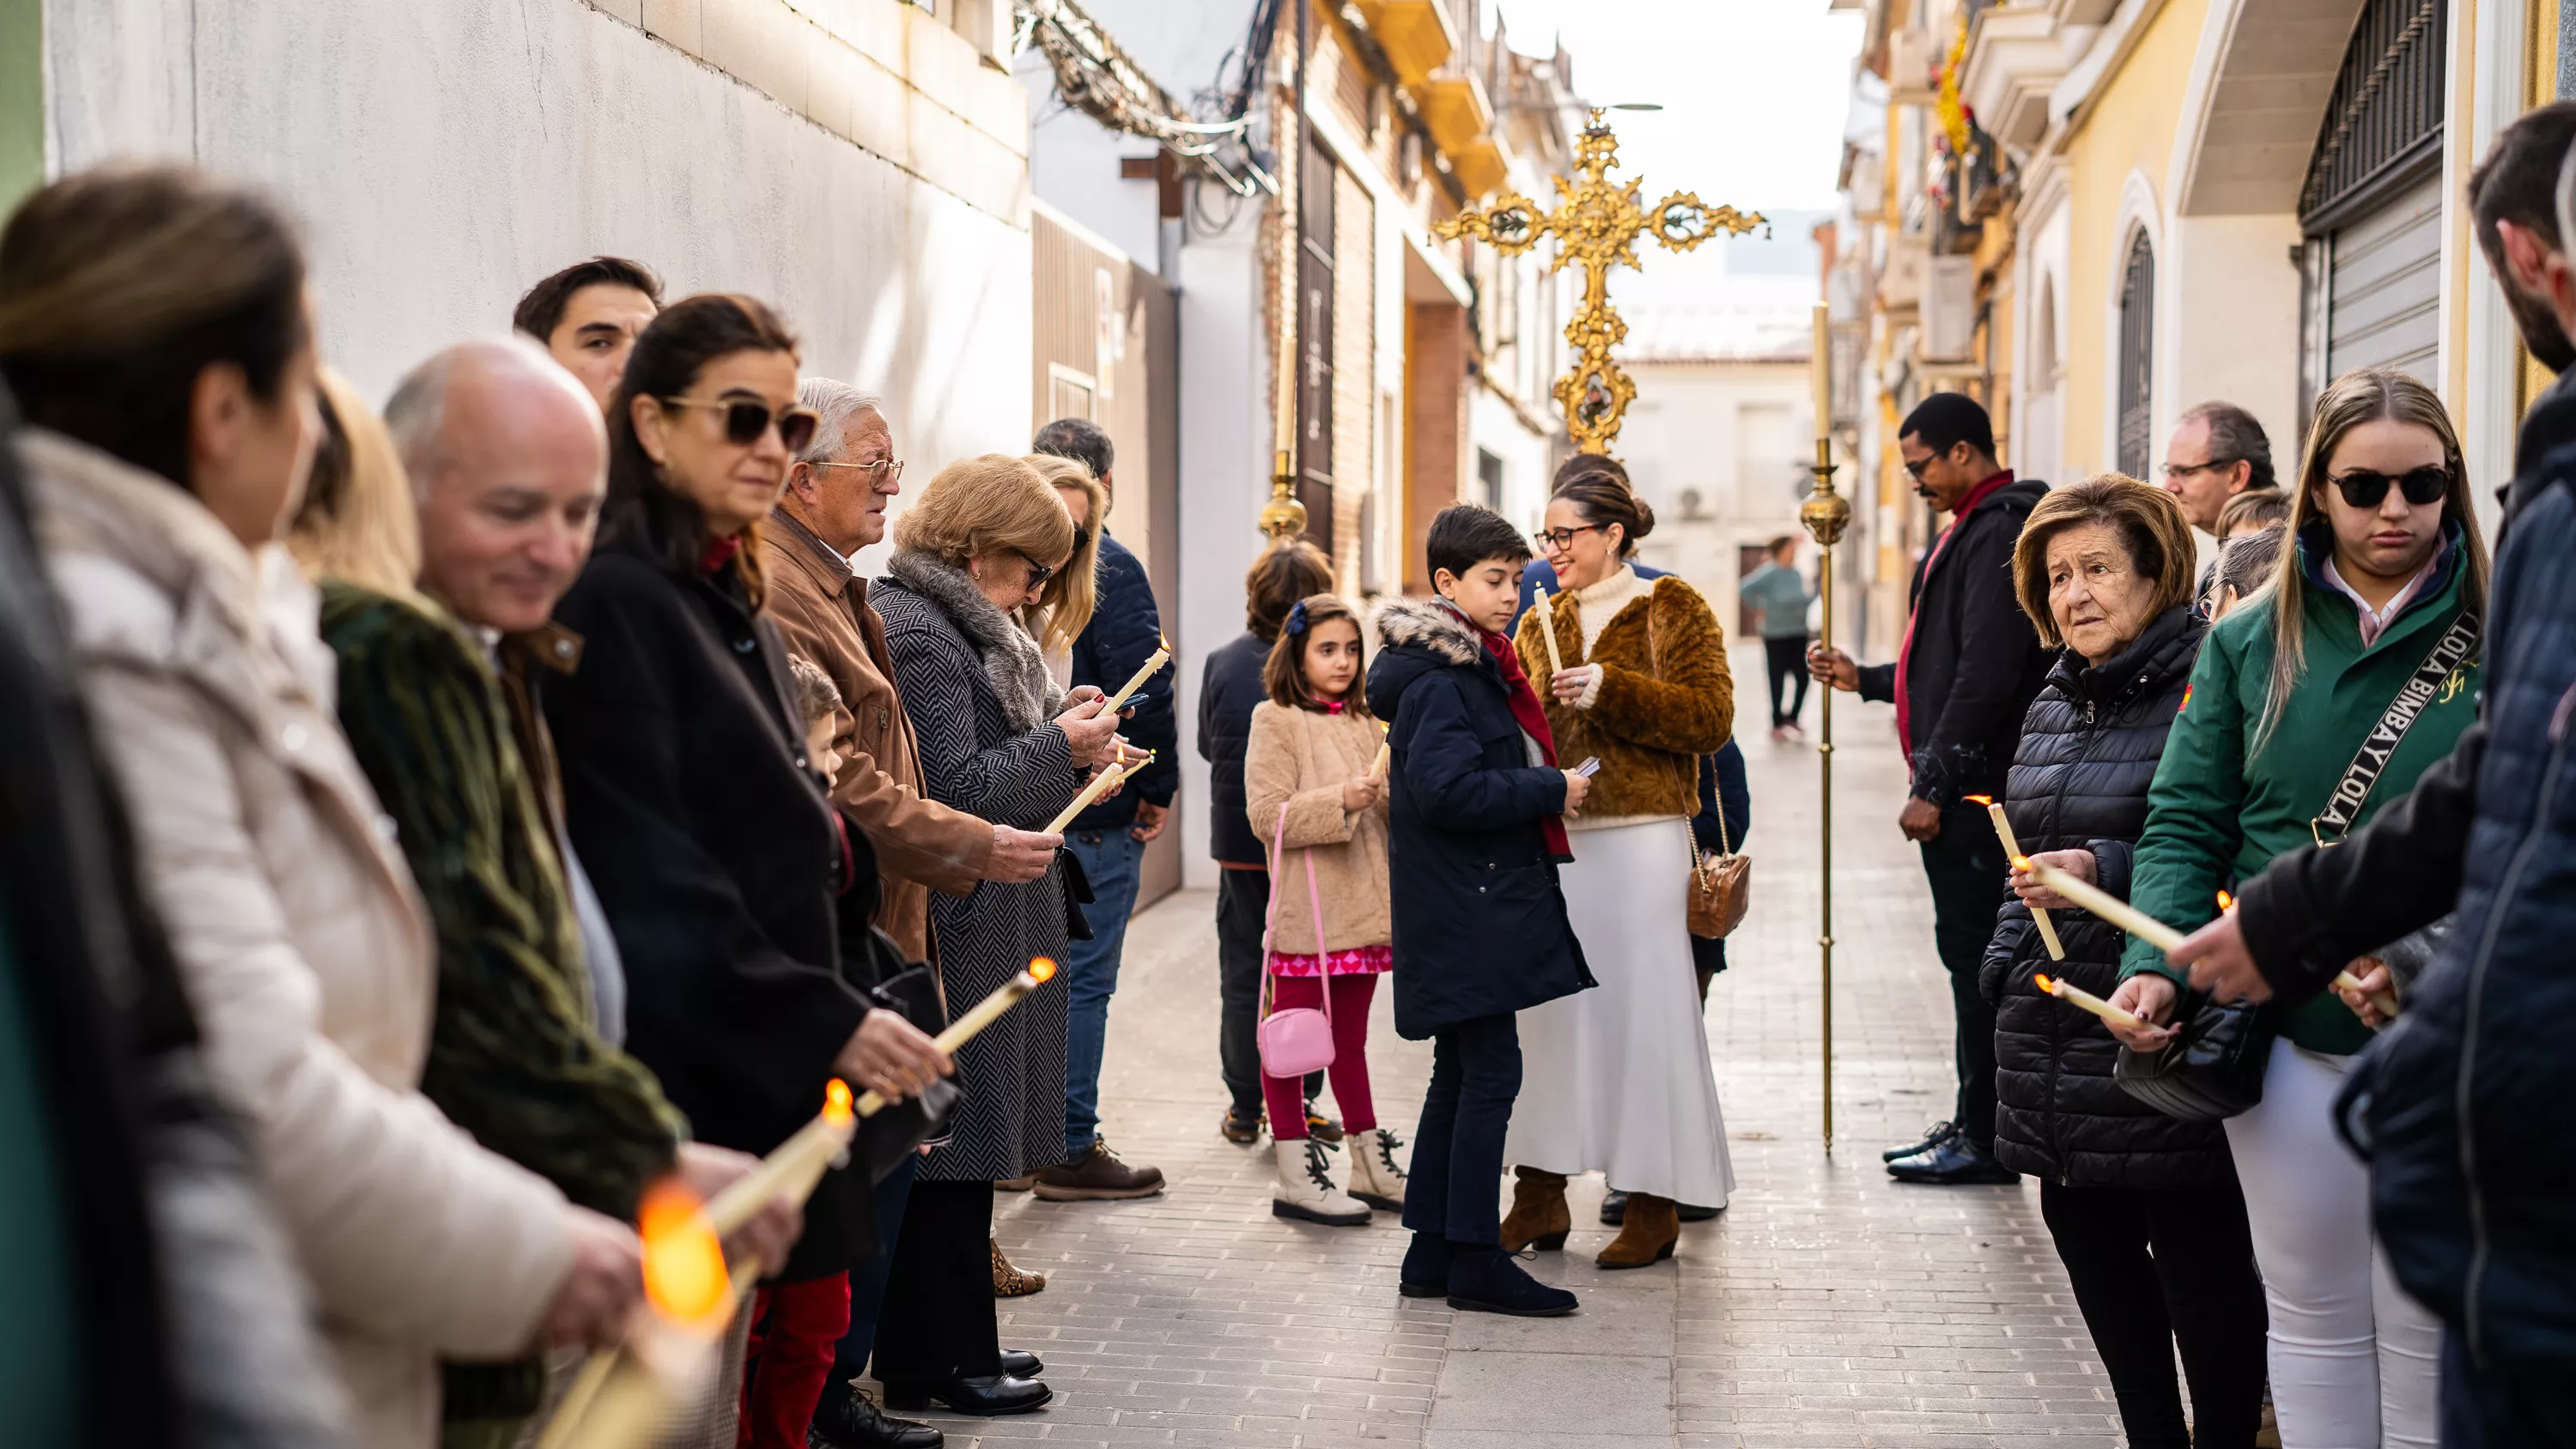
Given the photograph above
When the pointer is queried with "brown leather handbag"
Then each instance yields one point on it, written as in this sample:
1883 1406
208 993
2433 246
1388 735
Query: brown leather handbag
1721 885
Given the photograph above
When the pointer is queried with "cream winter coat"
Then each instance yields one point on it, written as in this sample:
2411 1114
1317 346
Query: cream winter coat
297 931
1301 758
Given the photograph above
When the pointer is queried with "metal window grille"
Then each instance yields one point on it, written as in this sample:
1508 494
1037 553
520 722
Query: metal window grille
2385 113
2137 356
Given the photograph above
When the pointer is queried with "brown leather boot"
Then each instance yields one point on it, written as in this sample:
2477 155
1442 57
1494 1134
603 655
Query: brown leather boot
1646 1235
1539 1217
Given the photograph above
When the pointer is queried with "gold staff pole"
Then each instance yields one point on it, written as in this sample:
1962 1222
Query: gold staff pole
1825 514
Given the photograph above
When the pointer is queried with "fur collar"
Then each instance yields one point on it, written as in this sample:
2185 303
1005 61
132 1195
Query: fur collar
1429 624
1012 660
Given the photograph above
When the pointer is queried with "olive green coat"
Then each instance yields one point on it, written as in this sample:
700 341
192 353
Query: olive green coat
2216 816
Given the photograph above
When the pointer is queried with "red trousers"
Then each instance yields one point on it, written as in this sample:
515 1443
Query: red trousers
1285 1096
794 1328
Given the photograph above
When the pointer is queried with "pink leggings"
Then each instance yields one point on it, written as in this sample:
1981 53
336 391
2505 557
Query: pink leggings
1349 1071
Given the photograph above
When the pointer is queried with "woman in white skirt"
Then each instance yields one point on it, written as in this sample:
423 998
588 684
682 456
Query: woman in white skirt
1618 1078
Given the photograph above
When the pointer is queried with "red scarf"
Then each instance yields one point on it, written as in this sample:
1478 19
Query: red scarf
1532 718
1905 651
718 553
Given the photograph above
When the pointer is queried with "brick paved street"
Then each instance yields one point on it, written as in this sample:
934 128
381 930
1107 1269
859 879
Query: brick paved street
1827 1306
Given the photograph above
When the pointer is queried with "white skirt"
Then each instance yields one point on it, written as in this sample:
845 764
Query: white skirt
1618 1077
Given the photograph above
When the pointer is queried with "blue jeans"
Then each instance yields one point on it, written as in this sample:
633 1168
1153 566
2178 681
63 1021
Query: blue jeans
868 1279
1110 858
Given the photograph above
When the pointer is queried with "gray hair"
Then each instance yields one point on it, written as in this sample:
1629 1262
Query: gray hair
416 414
2235 437
839 405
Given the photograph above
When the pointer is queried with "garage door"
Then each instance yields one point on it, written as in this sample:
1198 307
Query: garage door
2384 288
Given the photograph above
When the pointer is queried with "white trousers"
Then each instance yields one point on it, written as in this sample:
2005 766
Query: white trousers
1618 1077
2355 1363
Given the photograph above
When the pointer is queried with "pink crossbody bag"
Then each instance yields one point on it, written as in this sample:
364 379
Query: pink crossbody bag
1294 1040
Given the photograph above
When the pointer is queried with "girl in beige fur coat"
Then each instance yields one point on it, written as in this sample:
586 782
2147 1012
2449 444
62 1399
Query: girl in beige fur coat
1315 791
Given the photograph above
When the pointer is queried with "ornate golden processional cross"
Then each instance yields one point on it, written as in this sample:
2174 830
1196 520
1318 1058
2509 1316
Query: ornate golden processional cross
1596 224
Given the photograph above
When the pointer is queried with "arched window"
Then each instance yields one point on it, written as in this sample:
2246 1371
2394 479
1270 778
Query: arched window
2137 359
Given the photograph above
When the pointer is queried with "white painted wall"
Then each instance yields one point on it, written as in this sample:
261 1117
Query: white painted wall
1225 478
2235 330
1688 430
444 156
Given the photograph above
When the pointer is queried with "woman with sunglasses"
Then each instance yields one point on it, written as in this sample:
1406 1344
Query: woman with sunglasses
1618 1078
1000 740
690 798
2282 740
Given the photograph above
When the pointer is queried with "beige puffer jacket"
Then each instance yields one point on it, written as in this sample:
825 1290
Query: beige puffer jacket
1301 758
297 931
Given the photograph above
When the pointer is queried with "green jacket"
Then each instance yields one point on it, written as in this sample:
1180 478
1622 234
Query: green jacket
1782 596
513 1058
2214 817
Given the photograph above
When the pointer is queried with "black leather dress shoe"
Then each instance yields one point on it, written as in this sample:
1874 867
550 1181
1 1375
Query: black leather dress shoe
1021 1364
1952 1162
1940 1132
981 1396
848 1419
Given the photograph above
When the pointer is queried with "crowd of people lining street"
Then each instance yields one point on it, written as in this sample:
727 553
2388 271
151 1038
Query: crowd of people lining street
431 831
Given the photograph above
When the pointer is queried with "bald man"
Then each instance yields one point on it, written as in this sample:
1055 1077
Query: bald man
508 464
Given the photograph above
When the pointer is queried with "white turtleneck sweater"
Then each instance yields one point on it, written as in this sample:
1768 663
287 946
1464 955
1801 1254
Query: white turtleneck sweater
1595 607
1600 603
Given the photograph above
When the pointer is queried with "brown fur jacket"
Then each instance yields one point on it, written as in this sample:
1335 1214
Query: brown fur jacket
1666 698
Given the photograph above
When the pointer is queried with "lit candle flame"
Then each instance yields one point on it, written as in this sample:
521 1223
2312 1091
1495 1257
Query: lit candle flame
1042 969
2044 983
1980 799
2226 902
684 1266
836 1102
2021 862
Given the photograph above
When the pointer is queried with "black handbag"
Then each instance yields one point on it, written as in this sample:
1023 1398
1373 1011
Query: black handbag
897 1131
2213 1067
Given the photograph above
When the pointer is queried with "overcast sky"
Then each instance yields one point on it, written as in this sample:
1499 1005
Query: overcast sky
1754 95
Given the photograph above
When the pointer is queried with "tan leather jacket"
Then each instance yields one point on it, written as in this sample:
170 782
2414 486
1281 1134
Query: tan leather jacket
921 844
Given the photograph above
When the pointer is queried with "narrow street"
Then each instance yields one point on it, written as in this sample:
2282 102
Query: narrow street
1826 1306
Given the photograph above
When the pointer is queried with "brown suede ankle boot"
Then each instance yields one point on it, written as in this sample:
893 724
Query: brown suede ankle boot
1539 1217
1646 1235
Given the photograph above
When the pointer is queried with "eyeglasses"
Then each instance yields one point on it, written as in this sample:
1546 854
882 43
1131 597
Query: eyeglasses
880 473
2177 471
1039 573
2364 488
1915 469
1562 538
745 420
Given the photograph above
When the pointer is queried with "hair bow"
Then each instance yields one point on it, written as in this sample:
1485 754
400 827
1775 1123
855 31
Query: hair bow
1296 621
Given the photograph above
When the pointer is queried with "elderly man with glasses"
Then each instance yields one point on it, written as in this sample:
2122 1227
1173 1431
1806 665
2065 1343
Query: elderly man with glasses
833 506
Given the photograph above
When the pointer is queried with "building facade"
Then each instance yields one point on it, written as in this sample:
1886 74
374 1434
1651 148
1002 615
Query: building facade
2095 214
1300 250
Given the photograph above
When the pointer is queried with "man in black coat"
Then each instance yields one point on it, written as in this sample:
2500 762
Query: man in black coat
2313 910
1229 691
1110 837
1965 676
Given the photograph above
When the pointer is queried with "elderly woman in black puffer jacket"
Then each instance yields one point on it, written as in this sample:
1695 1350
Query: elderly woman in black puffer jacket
2144 1208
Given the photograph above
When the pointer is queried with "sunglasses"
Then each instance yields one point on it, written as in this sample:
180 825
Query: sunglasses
1039 573
2363 488
745 420
1561 538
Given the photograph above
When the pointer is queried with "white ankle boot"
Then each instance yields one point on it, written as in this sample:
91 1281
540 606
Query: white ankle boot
1375 1178
1306 1190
